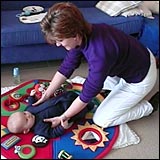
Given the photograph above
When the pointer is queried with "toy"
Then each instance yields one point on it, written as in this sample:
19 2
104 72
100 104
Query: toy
39 141
10 105
7 144
64 155
19 151
59 91
4 130
40 89
15 96
90 136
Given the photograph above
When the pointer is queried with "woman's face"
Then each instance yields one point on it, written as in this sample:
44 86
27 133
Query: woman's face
69 43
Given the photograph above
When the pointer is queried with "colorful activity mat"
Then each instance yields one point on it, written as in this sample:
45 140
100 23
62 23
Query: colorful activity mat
82 140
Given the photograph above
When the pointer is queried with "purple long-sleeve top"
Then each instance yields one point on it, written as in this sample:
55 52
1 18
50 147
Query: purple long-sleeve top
109 52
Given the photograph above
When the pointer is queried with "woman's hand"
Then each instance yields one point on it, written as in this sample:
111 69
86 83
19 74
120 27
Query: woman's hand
42 99
55 121
65 124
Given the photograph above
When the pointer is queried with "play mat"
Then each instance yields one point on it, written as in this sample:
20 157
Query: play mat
82 140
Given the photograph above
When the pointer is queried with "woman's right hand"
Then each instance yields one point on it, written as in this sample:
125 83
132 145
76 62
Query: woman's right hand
65 124
42 99
56 82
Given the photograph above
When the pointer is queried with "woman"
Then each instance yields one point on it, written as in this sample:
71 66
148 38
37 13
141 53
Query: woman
117 62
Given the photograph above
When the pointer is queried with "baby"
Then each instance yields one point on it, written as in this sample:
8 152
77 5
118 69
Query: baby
32 119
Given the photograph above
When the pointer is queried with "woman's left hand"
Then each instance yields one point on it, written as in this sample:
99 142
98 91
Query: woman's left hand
65 124
55 121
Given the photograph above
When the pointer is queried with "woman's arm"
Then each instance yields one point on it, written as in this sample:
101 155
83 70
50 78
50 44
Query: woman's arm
74 108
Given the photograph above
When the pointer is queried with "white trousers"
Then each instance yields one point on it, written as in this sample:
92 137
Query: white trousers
126 101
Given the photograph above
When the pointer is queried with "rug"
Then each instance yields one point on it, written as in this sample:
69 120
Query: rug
82 141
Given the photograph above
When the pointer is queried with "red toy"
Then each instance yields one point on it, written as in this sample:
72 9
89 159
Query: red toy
40 89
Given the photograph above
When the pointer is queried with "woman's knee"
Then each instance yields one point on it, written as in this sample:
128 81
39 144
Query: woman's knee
100 121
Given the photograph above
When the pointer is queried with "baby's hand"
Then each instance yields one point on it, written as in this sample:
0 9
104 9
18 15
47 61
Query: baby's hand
32 92
65 124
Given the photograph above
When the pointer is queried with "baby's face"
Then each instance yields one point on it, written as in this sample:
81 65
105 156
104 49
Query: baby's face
28 119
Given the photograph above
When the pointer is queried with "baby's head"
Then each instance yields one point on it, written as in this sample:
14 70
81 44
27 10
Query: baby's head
20 122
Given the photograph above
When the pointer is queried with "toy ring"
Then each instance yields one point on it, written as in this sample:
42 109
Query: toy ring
28 155
15 96
10 105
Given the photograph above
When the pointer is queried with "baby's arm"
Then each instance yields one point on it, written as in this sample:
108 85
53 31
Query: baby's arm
33 92
59 130
31 98
65 124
